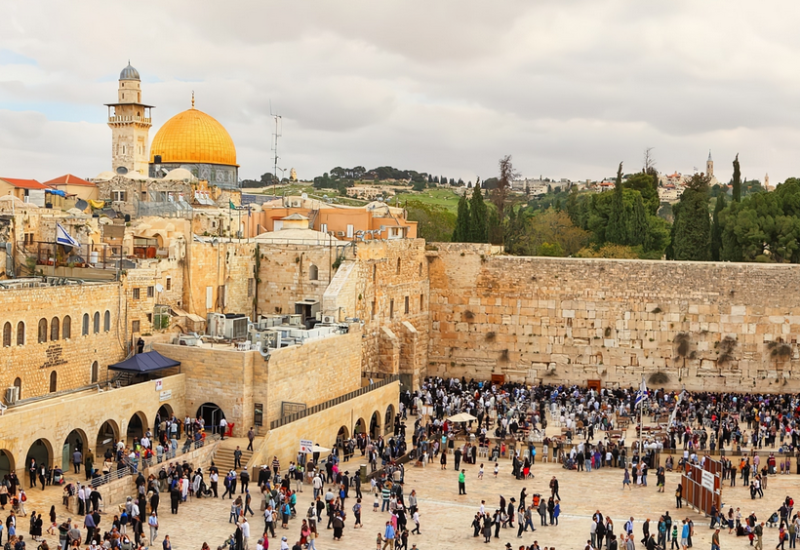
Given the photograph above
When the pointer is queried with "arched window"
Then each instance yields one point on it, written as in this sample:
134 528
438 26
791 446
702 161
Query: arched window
66 328
85 330
18 385
42 331
53 381
96 322
54 328
107 321
95 372
7 335
20 333
313 273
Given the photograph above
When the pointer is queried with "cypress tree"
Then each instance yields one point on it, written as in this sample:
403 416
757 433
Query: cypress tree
692 222
478 218
461 231
737 180
638 223
617 229
716 229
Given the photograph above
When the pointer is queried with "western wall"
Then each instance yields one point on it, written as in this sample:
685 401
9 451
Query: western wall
705 326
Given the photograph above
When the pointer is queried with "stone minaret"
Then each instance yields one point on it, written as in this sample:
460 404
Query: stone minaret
709 166
129 120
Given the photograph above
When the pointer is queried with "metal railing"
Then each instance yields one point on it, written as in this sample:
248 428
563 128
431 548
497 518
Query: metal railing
332 402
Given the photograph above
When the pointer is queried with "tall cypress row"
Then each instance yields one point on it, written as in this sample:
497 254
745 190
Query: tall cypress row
737 180
478 218
461 231
617 229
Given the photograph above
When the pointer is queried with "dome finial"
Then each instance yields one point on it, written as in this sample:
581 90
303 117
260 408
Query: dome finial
192 99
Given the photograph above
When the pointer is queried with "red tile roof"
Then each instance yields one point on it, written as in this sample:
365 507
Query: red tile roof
68 179
25 184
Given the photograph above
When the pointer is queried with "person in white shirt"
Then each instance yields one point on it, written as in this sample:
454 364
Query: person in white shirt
245 527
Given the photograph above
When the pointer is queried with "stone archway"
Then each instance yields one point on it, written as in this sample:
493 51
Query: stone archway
375 425
388 420
360 427
342 435
137 427
163 414
75 441
7 464
211 414
107 437
40 452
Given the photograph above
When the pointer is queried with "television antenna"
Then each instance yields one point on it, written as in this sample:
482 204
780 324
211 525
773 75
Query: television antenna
275 136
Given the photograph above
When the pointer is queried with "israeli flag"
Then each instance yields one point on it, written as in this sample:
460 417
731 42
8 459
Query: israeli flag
62 237
641 395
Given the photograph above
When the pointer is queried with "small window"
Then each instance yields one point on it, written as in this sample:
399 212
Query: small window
54 329
313 273
421 303
20 333
391 309
398 266
420 269
150 292
42 331
407 306
251 287
18 385
135 326
107 321
374 273
7 335
85 328
96 323
95 372
66 327
135 293
53 382
149 317
119 196
169 283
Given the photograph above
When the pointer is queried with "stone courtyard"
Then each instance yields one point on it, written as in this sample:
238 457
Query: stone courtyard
445 516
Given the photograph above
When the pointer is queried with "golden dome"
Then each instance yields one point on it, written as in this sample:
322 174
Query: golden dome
193 137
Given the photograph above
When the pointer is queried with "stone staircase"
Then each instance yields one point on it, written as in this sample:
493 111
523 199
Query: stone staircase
223 457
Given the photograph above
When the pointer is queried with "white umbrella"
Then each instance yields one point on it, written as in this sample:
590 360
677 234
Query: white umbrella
462 417
318 449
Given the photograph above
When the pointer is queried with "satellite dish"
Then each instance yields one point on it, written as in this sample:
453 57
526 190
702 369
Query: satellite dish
121 170
159 287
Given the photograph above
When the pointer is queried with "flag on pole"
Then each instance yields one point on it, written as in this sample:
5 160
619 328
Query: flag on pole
641 395
62 237
232 206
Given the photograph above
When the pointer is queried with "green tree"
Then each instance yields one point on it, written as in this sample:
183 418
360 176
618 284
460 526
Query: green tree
637 230
434 223
461 232
692 229
643 183
737 180
716 229
478 218
617 228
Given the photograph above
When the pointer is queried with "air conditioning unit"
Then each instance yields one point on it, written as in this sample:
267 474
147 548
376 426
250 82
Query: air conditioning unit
12 395
328 319
227 326
318 316
295 319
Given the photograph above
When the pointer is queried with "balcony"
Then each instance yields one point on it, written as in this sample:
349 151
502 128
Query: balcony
119 118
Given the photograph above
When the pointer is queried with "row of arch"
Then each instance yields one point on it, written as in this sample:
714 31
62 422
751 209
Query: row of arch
376 429
58 329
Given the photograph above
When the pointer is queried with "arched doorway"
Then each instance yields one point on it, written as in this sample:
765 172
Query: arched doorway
163 414
106 438
375 425
388 421
137 426
360 427
211 415
6 463
75 441
342 436
41 452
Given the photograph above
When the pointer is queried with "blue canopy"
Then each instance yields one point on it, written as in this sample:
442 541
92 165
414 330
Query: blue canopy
143 363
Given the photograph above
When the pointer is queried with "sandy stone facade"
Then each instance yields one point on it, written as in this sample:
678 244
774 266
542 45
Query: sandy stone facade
59 331
714 326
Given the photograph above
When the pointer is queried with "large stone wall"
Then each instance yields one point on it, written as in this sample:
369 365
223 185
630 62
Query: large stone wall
716 326
70 358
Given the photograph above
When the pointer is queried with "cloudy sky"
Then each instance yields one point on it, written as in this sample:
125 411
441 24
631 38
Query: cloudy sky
569 88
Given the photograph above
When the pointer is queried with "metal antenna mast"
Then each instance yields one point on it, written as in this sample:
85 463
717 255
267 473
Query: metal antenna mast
275 135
